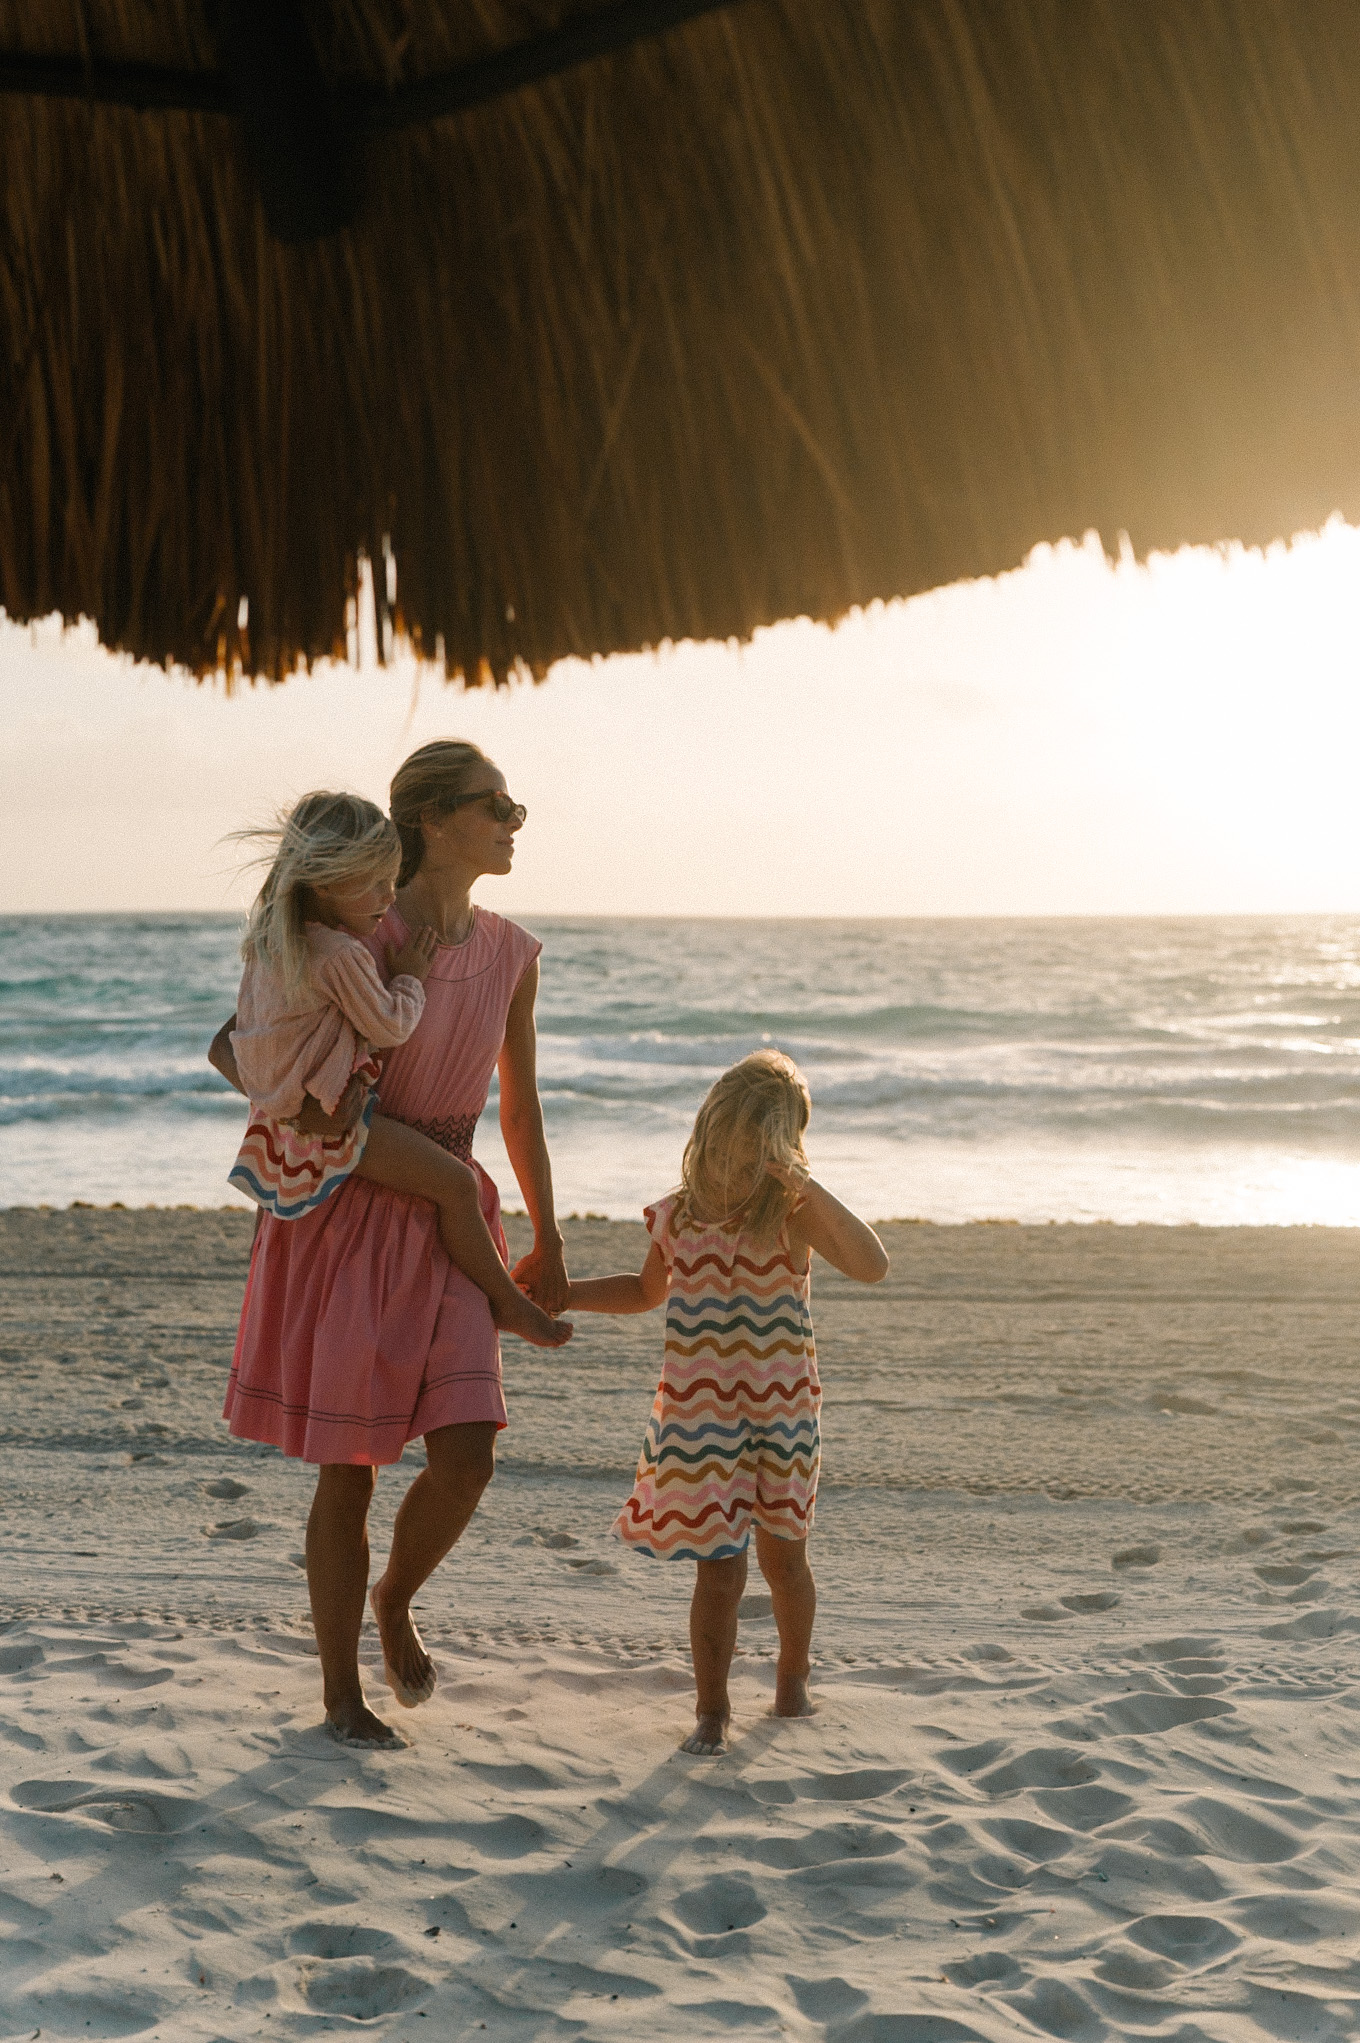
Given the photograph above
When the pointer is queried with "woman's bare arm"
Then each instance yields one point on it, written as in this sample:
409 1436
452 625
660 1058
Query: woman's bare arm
624 1293
543 1272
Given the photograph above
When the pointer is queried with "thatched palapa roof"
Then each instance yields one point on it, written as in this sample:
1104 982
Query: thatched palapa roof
728 313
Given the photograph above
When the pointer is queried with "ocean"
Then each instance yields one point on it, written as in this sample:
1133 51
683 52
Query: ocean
1192 1070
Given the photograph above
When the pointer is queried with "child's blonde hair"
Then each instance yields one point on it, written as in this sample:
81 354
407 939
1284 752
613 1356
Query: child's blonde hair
754 1116
322 840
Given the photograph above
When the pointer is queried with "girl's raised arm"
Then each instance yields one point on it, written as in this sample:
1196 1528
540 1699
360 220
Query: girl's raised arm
848 1243
621 1294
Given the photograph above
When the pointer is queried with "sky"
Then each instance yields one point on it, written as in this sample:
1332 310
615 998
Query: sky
1079 737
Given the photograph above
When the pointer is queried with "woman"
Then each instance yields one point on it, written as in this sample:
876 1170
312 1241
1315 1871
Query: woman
357 1333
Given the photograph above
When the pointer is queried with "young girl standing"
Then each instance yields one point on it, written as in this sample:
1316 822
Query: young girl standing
734 1440
311 1011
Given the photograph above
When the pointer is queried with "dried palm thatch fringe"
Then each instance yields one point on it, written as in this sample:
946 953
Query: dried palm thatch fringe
804 303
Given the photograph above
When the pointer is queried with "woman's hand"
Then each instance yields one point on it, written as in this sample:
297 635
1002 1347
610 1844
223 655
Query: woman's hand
314 1120
415 956
543 1275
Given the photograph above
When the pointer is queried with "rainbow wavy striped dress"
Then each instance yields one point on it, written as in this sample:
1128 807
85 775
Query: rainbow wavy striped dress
734 1433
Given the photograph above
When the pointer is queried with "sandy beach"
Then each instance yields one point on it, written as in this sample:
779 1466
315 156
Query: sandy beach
1086 1659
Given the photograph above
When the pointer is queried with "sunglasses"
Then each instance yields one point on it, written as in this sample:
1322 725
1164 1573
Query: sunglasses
502 807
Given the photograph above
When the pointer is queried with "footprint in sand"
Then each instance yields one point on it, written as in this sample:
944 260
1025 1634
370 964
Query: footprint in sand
338 1940
234 1528
359 1989
1102 1599
1136 1557
1185 1939
865 1784
833 1844
1318 1624
1146 1713
825 2000
225 1486
151 1814
726 1902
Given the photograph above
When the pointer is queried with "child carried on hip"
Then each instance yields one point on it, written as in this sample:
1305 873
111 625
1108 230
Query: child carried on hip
734 1438
311 1012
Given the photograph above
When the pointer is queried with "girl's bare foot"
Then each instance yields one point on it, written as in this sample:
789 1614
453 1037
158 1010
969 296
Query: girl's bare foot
791 1698
531 1323
354 1723
407 1666
709 1736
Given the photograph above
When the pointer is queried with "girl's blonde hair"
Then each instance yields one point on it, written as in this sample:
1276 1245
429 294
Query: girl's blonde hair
432 778
322 840
754 1116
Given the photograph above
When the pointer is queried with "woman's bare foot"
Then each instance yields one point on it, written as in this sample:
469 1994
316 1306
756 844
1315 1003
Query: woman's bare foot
791 1698
531 1323
709 1736
407 1666
354 1723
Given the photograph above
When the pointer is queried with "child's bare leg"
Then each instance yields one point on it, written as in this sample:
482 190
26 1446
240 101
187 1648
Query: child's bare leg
406 1161
337 1578
712 1642
793 1592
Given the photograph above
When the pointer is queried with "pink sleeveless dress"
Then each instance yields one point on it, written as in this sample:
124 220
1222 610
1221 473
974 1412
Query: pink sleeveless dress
357 1333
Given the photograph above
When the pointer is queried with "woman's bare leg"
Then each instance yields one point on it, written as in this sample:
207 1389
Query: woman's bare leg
460 1462
337 1579
406 1161
793 1592
712 1642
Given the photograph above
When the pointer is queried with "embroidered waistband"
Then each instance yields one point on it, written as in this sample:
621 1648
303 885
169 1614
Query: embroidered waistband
453 1132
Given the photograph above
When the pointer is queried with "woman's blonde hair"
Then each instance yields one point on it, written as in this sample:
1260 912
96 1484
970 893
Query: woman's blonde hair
321 841
432 778
754 1116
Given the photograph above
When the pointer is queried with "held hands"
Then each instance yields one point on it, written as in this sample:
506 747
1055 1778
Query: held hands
415 956
542 1275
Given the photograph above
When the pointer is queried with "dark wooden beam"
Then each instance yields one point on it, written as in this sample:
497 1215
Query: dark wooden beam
530 63
147 88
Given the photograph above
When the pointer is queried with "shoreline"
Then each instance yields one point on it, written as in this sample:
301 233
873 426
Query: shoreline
516 1214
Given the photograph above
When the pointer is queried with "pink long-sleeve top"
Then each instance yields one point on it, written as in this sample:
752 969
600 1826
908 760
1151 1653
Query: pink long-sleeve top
309 1041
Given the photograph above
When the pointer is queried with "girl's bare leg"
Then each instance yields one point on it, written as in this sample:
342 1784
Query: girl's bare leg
406 1161
793 1592
337 1578
460 1462
712 1642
